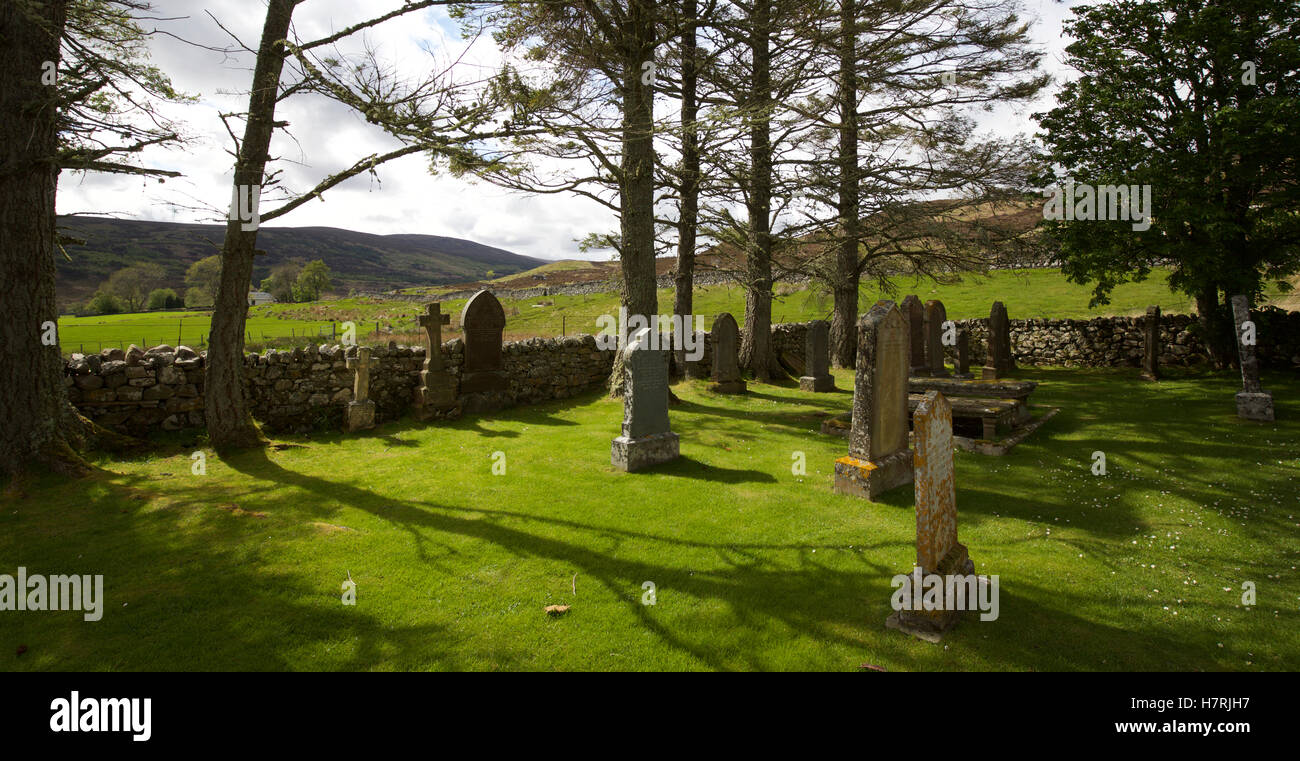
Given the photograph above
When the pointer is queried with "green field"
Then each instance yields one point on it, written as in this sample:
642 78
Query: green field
1026 293
755 568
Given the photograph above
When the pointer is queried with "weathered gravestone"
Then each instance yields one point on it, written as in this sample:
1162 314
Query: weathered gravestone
935 317
726 356
1151 345
938 553
914 318
361 410
646 438
1253 402
963 355
816 359
879 459
483 320
437 390
998 362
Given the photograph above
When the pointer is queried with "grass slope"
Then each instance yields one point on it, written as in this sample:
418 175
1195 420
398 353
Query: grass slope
755 568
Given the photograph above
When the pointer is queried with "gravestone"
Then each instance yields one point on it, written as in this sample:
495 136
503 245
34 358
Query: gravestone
878 459
483 320
935 317
998 362
937 549
361 410
1253 402
816 360
646 438
914 316
1151 345
437 389
963 355
726 356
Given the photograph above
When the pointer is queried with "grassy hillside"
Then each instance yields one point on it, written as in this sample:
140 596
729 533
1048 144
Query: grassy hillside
358 260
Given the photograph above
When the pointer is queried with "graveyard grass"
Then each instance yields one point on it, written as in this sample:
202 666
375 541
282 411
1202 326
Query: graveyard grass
755 568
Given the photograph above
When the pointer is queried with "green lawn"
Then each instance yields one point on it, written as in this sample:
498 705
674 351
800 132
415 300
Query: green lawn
755 568
1026 293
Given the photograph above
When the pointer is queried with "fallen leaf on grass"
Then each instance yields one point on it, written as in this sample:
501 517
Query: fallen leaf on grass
22 649
872 667
234 509
557 610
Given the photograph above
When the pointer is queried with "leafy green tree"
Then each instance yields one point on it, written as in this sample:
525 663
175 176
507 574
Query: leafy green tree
131 285
205 275
312 281
163 298
1200 101
281 282
103 303
197 297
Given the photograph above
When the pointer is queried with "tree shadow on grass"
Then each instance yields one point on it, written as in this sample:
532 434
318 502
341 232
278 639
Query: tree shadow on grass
689 467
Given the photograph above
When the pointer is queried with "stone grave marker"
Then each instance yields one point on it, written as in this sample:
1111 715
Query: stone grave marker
1253 402
937 549
437 389
1151 345
483 321
646 439
361 410
816 360
726 356
998 362
963 355
935 317
878 459
914 317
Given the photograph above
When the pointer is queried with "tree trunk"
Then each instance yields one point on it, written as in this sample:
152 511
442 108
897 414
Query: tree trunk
40 426
844 285
637 188
1220 341
688 215
756 342
230 425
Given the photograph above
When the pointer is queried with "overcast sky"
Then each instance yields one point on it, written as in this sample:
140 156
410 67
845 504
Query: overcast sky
329 137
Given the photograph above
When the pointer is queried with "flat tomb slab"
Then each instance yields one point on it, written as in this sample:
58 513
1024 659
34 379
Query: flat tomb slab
975 428
990 389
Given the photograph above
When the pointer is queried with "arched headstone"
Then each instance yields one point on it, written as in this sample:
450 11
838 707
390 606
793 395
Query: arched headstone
483 321
726 356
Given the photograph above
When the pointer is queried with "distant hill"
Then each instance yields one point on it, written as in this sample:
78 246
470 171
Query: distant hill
358 260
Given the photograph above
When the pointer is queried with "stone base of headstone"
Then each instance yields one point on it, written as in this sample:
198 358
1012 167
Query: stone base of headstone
868 480
1146 376
728 387
815 384
963 376
990 373
437 398
472 383
630 454
930 625
1255 406
359 416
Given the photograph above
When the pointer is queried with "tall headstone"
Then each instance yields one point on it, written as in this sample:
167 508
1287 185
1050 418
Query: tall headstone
998 362
963 355
878 459
647 439
914 317
817 359
726 356
361 410
1253 402
1151 345
935 317
483 321
937 550
437 390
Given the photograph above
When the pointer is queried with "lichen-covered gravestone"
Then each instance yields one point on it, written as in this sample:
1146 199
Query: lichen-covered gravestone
935 317
437 391
483 321
1151 345
879 459
913 312
726 356
937 550
646 438
361 410
1253 402
816 360
998 362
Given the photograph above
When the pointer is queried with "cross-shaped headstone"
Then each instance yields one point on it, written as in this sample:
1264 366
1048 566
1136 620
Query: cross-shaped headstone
361 364
432 321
